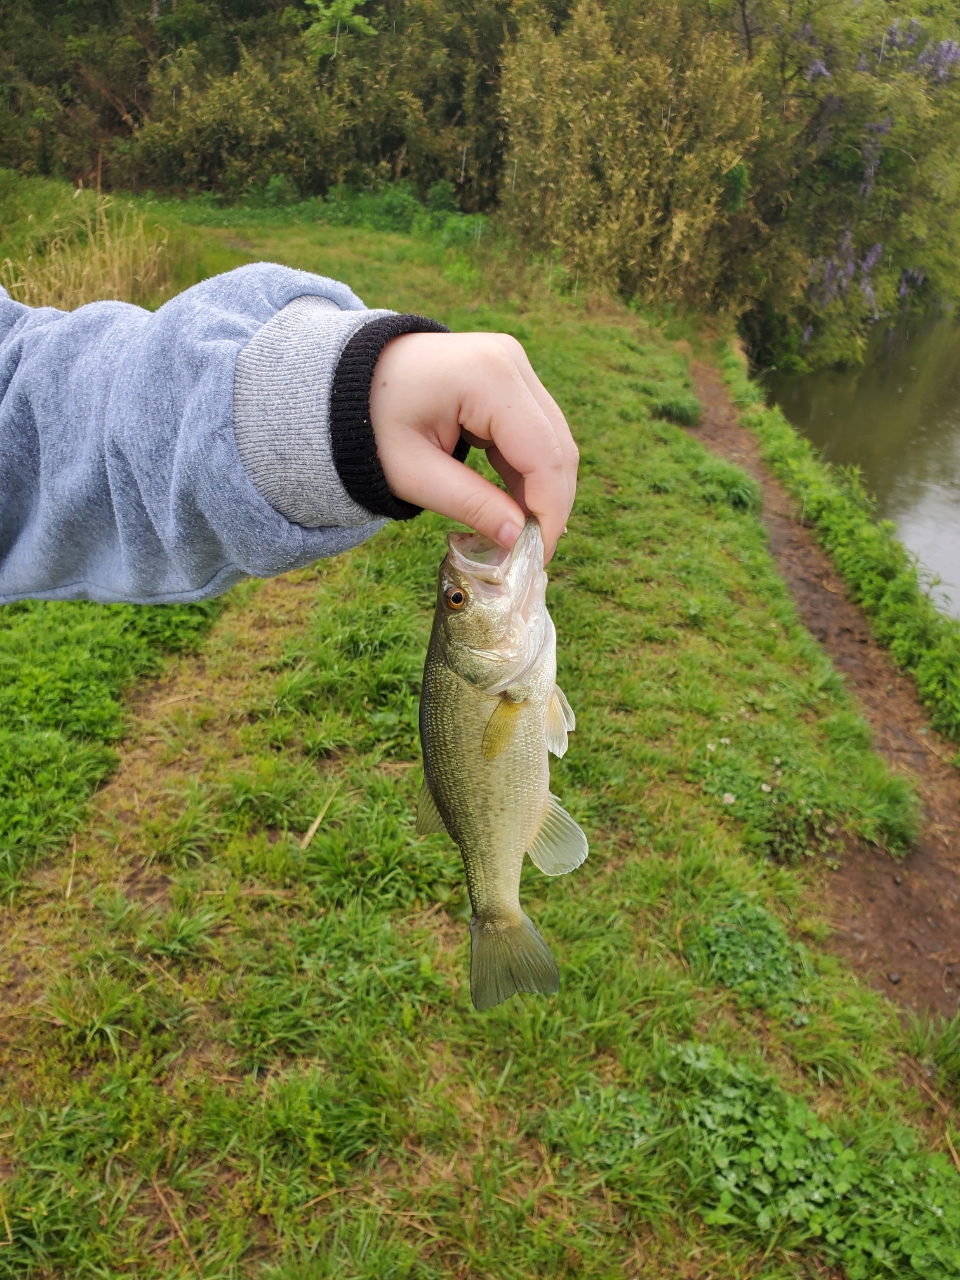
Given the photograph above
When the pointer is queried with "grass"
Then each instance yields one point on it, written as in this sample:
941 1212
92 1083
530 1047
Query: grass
229 1041
62 246
65 667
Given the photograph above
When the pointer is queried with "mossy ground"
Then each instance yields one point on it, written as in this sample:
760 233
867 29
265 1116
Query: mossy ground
222 1040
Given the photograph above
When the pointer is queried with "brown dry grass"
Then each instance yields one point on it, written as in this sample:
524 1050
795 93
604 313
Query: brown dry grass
107 252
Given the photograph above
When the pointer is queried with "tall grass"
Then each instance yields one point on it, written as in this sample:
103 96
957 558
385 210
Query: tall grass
104 251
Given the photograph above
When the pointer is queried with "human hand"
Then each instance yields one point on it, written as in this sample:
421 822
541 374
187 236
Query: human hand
429 388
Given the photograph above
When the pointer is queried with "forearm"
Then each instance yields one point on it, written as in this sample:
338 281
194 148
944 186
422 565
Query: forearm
157 457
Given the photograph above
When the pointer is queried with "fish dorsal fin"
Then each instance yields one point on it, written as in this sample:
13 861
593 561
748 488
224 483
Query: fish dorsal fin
429 822
560 846
500 728
560 722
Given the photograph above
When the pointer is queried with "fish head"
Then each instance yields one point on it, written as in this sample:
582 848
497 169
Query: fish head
492 607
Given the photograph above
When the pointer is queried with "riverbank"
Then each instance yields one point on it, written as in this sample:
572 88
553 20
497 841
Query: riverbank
882 577
894 923
224 1039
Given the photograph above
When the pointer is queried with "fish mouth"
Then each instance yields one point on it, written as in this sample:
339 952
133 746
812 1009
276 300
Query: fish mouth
485 561
519 575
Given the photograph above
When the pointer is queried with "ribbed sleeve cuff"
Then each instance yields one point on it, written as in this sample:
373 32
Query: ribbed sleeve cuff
352 441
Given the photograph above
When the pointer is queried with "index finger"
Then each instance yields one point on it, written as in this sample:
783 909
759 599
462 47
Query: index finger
503 410
547 403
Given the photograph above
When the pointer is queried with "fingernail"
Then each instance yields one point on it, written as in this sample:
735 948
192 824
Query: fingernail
508 534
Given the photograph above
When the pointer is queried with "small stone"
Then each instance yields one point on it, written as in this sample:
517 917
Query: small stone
898 879
893 977
728 798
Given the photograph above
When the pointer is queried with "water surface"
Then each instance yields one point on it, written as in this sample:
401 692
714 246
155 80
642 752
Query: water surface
898 418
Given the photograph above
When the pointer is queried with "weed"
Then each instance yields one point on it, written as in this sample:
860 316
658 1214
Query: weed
100 252
935 1042
747 949
180 934
94 1009
873 1204
723 482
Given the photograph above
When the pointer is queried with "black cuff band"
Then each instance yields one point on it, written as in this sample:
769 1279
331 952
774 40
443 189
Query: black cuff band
351 431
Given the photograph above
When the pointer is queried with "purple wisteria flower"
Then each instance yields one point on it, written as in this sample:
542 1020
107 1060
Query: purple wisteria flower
831 277
816 69
807 335
937 59
871 258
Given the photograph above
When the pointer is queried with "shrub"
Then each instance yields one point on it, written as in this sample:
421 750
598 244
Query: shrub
620 146
795 173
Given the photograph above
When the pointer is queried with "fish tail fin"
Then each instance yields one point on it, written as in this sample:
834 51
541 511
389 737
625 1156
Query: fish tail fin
505 959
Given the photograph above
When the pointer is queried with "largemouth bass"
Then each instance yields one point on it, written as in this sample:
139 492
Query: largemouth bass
490 711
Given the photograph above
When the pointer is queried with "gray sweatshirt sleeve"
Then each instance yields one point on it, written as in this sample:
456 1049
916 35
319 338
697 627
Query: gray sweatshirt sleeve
162 456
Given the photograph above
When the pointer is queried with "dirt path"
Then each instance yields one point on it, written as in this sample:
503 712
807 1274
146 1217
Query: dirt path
897 923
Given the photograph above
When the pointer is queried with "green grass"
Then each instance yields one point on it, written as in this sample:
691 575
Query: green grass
279 1040
64 668
883 577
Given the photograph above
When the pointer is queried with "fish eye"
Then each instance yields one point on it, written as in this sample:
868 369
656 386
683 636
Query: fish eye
455 598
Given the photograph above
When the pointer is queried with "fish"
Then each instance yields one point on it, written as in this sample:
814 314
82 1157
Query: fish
490 711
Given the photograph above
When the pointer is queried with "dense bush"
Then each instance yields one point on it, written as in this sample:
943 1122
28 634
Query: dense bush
621 143
227 96
793 169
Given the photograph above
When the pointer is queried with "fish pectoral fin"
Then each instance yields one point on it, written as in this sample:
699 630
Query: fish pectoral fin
429 822
560 722
560 845
501 727
569 719
505 959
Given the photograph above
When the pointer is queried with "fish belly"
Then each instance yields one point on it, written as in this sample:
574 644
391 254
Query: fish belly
491 808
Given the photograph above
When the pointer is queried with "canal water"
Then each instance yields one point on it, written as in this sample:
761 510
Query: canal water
898 418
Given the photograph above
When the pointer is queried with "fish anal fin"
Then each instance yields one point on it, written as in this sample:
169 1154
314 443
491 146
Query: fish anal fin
505 959
500 729
429 822
560 845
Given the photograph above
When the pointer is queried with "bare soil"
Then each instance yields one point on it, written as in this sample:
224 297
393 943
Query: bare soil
897 922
